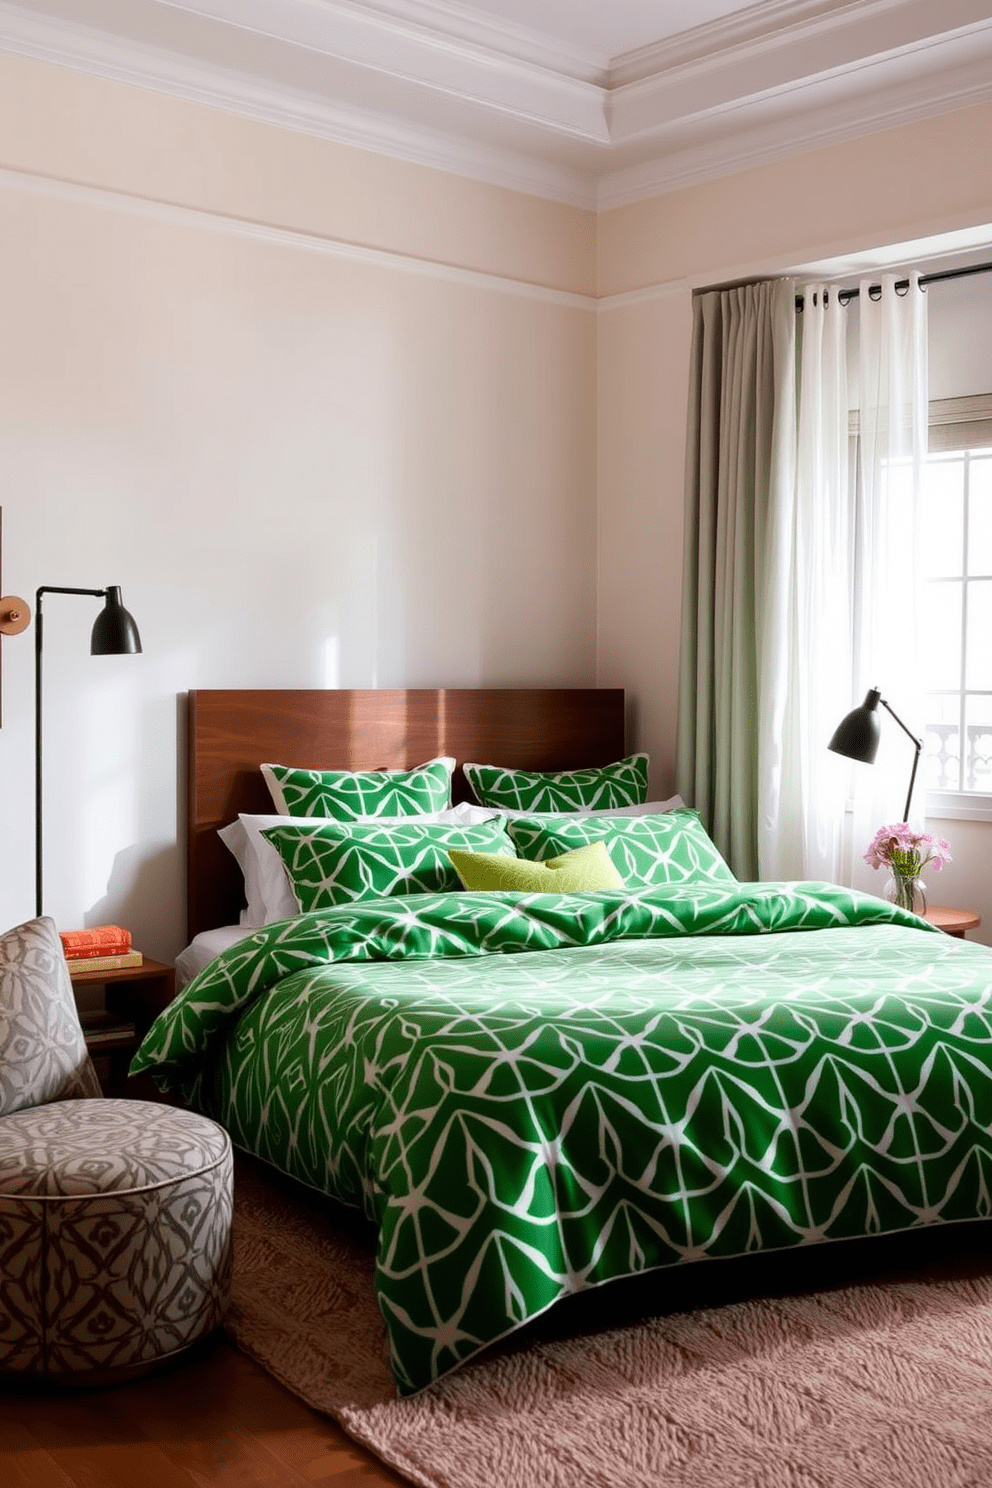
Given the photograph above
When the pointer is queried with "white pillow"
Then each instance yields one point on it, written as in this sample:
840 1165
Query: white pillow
268 892
646 808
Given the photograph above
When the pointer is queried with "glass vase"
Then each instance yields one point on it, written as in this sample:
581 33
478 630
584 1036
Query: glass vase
908 891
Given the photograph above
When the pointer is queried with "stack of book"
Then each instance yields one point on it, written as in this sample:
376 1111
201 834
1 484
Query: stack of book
102 948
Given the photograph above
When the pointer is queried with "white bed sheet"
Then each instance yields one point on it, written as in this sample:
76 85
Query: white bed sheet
204 947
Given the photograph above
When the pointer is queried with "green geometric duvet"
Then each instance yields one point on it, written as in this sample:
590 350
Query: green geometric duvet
535 1094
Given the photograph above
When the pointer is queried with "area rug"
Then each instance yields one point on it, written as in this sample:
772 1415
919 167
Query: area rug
759 1375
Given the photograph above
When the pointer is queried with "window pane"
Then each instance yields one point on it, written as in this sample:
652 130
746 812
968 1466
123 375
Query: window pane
980 517
941 636
978 730
943 516
941 743
978 673
956 628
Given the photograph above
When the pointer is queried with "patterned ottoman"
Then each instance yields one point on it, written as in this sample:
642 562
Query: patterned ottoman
115 1235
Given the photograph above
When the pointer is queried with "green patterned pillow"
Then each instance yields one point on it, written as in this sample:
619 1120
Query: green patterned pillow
624 783
337 864
346 795
577 872
673 848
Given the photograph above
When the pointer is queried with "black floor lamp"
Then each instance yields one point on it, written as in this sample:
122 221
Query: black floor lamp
857 734
114 634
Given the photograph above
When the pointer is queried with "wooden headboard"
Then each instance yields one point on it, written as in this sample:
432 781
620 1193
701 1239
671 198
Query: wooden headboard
231 733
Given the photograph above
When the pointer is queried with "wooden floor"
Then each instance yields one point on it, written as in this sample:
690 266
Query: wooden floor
216 1418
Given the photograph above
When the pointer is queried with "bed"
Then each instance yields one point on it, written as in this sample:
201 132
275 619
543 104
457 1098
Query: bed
532 1094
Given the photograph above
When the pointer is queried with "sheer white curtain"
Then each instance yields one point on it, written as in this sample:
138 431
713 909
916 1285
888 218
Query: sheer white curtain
807 637
842 582
892 446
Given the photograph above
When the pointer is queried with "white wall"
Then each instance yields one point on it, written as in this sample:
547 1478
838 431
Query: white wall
307 461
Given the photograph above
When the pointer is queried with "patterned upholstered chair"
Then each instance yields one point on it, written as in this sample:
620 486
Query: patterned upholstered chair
115 1215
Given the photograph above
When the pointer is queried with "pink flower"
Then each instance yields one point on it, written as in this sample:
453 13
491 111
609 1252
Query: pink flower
904 851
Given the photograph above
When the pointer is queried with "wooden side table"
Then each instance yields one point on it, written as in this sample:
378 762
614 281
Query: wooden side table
116 1009
952 921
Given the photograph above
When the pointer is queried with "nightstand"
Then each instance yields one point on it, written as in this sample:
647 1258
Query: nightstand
952 921
116 1009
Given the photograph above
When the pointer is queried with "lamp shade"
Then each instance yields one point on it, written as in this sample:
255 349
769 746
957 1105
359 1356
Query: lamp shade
857 734
114 631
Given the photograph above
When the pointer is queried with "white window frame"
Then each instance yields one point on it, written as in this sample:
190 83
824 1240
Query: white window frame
960 424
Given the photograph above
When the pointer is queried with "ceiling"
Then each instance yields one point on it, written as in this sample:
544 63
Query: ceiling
601 30
591 102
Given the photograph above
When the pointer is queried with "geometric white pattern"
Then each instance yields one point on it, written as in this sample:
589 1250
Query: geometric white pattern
535 1094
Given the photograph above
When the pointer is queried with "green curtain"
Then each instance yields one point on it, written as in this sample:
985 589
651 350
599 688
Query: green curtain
729 454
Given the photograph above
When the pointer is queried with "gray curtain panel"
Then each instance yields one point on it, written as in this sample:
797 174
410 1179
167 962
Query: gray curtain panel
728 462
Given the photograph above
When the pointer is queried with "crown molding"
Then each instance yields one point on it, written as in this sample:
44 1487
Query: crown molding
758 24
904 87
441 85
445 18
40 38
856 59
751 37
331 52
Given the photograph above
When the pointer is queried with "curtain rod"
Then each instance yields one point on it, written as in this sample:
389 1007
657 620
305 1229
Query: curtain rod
852 294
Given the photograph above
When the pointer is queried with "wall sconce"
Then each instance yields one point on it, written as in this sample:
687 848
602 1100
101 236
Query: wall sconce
114 634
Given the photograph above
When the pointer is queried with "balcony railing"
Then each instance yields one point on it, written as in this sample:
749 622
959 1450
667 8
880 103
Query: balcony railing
942 756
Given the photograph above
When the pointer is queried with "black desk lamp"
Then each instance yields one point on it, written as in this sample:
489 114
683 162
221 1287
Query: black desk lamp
114 634
857 734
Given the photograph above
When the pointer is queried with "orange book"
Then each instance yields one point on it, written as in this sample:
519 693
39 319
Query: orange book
99 940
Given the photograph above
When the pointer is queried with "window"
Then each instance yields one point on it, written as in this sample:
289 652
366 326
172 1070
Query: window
957 614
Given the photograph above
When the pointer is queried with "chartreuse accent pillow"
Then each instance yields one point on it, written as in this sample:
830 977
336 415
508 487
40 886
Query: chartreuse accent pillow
624 783
573 873
346 795
672 848
334 863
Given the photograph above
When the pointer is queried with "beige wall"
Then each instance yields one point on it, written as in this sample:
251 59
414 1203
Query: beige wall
643 388
931 177
331 418
326 418
66 126
927 178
